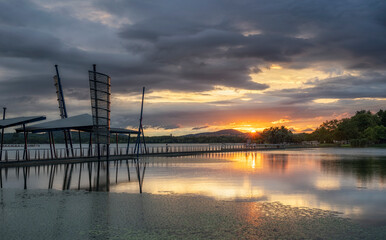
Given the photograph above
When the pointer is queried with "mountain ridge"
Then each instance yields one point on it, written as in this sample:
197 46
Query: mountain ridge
224 132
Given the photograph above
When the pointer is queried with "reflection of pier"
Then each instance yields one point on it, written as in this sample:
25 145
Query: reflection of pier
86 154
90 176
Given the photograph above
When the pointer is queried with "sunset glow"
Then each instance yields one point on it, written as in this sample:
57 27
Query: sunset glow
246 74
193 119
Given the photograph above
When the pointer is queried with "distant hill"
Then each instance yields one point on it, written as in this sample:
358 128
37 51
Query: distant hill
225 132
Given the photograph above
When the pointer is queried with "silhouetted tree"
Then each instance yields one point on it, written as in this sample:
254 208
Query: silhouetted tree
277 135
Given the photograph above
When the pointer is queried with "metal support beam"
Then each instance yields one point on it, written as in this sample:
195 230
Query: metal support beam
53 145
80 144
49 137
96 111
140 128
2 135
128 145
90 146
25 154
116 140
63 110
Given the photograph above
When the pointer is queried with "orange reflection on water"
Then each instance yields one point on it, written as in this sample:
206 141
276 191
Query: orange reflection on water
246 161
229 179
296 178
201 186
253 161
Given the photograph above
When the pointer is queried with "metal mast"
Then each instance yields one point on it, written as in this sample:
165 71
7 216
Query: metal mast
62 109
140 128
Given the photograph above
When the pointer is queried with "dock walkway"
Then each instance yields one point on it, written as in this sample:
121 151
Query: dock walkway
35 157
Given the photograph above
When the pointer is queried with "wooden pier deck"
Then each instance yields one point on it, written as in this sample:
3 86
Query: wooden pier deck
44 158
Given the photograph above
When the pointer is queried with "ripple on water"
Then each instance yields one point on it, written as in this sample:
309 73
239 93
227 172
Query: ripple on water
39 214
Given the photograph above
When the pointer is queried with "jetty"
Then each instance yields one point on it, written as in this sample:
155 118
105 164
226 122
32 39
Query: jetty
42 156
99 132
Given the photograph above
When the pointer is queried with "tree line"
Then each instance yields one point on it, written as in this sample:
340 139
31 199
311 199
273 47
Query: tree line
362 129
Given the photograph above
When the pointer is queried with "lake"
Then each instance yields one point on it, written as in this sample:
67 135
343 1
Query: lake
339 184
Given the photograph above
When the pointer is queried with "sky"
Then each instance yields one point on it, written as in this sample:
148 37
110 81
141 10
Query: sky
207 65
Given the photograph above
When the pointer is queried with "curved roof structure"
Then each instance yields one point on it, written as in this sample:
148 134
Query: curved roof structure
11 122
81 122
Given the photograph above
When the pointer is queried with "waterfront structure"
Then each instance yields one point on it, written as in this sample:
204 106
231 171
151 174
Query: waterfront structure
79 123
62 109
98 127
100 92
137 148
12 122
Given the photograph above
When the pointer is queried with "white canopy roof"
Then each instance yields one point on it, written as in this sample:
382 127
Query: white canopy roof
81 122
11 122
75 122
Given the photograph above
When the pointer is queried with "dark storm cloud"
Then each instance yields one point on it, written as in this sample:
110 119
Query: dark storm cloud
189 46
218 116
351 32
199 128
168 127
368 85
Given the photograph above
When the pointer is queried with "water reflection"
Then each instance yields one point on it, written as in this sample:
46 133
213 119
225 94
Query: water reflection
337 180
365 169
91 176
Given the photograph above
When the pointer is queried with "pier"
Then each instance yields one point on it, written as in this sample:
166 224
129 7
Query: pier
98 131
41 156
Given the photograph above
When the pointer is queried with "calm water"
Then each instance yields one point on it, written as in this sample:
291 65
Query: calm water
349 181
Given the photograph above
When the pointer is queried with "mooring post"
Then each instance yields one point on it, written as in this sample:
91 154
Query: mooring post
66 143
90 146
80 144
25 154
52 154
53 145
128 144
116 140
2 135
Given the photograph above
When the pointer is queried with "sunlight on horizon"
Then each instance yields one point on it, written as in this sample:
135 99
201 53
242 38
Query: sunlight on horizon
231 178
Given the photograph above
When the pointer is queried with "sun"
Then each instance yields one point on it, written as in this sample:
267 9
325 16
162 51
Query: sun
253 131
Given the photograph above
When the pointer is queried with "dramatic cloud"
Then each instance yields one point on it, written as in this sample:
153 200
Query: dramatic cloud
198 49
367 85
199 128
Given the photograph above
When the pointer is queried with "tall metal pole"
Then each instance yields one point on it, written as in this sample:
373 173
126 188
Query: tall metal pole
140 128
2 135
63 111
25 155
143 134
96 112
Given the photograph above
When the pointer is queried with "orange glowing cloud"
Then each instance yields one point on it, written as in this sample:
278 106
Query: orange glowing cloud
283 120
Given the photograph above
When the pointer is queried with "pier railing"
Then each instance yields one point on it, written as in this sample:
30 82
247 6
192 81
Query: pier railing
63 153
